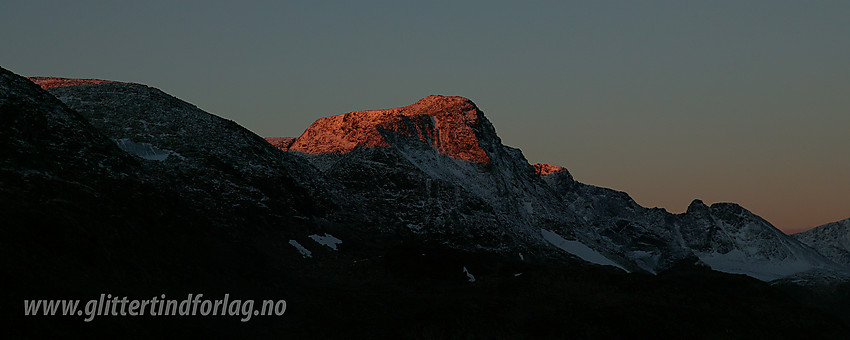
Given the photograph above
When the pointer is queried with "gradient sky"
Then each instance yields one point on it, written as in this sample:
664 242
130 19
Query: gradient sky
732 101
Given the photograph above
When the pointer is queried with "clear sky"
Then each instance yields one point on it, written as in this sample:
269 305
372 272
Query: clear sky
741 101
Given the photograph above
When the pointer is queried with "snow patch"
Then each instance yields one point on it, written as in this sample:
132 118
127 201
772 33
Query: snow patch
578 249
144 150
468 274
737 262
327 240
645 260
304 252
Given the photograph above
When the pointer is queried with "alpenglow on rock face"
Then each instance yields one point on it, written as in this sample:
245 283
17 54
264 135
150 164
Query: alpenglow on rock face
282 143
546 169
51 82
453 125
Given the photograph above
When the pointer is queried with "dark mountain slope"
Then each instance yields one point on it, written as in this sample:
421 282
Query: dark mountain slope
222 168
82 217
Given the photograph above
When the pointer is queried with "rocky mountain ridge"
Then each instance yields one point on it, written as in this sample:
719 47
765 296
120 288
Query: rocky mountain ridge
544 199
436 170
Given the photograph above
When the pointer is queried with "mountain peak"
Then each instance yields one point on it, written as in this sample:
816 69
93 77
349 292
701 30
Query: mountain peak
697 205
51 82
451 124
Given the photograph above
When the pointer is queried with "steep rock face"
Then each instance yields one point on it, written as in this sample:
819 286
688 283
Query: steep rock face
453 125
831 239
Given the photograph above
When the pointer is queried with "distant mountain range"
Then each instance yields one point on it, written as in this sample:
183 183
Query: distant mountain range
140 190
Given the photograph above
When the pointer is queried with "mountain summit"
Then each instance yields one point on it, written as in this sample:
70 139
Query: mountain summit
453 125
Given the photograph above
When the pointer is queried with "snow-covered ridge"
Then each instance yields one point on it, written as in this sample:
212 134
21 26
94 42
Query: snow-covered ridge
831 239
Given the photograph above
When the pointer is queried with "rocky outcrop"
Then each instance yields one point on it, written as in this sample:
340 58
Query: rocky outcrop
546 169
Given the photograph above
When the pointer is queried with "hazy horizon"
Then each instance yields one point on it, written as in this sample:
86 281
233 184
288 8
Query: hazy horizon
741 102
